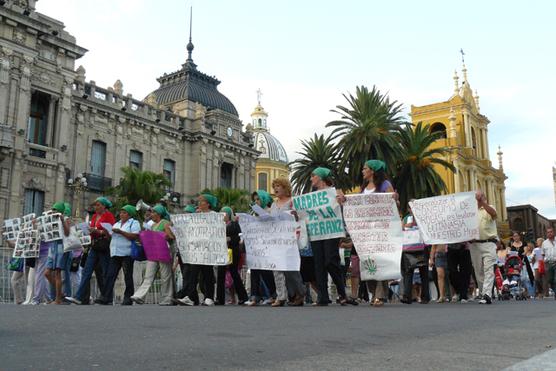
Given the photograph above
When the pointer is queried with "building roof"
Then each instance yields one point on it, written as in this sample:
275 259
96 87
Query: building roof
269 147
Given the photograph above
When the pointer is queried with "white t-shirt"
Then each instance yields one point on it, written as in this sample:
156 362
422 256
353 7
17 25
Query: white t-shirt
367 191
549 250
537 251
119 245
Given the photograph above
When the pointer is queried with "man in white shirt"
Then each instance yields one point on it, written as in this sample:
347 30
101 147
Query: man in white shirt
549 254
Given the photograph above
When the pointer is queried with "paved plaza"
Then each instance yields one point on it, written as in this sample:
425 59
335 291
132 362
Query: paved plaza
417 337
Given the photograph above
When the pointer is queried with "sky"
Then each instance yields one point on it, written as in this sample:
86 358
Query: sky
304 55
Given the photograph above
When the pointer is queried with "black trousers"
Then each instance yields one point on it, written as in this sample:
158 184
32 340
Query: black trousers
206 282
238 283
459 270
327 261
407 273
117 263
268 277
100 277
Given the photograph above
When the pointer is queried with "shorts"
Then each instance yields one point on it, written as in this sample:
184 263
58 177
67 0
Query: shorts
441 260
57 259
355 267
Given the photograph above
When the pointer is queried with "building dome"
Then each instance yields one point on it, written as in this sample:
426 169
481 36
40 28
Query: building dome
269 147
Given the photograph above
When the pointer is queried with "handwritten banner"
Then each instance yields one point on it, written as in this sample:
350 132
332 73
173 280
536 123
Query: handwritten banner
201 238
374 226
447 219
271 242
322 213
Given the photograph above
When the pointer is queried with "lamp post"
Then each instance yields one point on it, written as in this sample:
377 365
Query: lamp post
78 185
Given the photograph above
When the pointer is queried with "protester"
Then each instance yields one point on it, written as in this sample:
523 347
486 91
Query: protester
538 268
161 223
374 181
206 203
325 252
528 258
483 250
516 244
185 268
99 252
57 259
549 257
124 232
260 278
286 281
232 236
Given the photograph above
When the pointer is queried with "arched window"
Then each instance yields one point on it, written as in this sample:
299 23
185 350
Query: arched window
260 122
262 180
474 140
438 127
226 175
517 225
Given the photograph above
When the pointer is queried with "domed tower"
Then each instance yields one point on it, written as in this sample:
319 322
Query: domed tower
273 160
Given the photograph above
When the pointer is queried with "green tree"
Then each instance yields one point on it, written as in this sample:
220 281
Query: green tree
317 151
366 131
238 199
138 185
416 176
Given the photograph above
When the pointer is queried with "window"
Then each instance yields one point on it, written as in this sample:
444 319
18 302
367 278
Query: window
226 174
37 125
34 202
438 127
136 159
98 158
474 140
169 171
262 180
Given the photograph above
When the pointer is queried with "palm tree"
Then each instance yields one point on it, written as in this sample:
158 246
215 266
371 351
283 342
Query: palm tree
416 176
238 199
317 151
366 130
138 185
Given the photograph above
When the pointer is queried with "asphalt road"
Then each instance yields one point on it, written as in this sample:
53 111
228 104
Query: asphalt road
417 337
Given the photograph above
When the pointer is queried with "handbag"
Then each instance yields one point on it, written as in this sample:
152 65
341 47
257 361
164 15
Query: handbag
101 245
16 264
72 242
137 251
541 267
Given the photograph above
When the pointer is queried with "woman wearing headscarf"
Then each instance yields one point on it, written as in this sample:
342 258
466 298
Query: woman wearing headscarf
57 259
258 276
206 203
99 253
123 233
161 223
286 281
184 268
326 252
232 236
374 178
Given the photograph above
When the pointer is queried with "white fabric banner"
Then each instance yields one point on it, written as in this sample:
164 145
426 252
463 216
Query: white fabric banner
447 219
322 213
374 225
201 238
270 242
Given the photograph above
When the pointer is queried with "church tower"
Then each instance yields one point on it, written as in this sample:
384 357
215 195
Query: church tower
273 161
465 131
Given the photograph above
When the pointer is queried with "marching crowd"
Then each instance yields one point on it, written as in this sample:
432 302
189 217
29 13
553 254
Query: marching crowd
477 270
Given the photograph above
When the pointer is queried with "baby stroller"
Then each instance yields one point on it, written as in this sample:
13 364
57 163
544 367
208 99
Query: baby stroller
511 287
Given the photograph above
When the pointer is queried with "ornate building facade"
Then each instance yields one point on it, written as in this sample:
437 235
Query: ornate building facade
273 160
55 124
465 131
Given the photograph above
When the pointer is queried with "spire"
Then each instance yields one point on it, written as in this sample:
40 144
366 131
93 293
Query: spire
456 83
259 95
190 45
500 153
464 70
476 97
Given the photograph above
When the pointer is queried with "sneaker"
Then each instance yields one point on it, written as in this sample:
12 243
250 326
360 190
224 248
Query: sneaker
208 302
137 300
455 298
463 301
73 300
485 300
267 302
184 301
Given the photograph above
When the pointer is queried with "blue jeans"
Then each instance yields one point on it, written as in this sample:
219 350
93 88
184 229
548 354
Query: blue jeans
94 256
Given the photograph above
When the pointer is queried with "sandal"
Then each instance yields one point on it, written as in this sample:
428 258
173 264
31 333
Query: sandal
278 303
378 303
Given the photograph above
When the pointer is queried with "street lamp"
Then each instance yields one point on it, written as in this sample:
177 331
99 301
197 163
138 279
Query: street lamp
78 185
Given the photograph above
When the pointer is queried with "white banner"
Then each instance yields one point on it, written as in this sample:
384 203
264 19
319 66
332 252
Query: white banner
270 242
201 238
374 225
322 213
447 219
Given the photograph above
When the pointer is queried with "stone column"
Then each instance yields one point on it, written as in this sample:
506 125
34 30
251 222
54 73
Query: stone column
467 130
5 63
485 138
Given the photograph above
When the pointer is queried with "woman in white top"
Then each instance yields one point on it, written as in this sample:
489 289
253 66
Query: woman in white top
123 233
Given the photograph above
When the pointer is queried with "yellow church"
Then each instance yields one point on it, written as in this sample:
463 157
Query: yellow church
465 131
273 160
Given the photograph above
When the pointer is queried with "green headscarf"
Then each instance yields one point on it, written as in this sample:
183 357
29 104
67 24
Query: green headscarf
376 165
212 200
132 211
228 210
59 207
266 199
322 172
67 209
161 210
106 202
190 209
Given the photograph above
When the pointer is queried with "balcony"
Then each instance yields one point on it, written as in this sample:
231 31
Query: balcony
97 183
